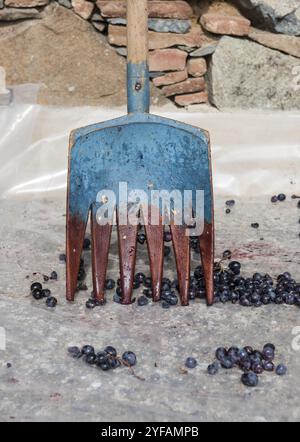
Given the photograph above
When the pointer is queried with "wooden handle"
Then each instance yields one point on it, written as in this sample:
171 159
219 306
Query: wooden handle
137 31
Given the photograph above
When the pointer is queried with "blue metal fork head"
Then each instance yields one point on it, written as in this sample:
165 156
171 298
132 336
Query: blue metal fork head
138 149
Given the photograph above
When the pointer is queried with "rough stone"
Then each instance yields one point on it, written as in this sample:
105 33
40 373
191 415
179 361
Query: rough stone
100 26
197 67
97 17
157 40
167 60
204 51
65 3
215 6
273 15
169 25
159 24
26 3
157 9
117 21
171 78
187 49
121 51
188 99
185 87
245 75
83 8
155 74
155 60
225 24
284 43
87 70
13 14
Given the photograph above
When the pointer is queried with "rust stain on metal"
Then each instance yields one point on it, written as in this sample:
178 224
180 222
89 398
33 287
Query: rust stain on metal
181 243
155 243
75 237
127 255
207 244
100 250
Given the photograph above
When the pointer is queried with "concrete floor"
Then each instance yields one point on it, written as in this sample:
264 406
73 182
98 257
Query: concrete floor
45 384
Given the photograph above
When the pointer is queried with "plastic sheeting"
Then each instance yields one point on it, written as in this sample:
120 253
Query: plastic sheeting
253 153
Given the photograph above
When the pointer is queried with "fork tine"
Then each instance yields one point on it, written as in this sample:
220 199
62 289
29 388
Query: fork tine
101 235
155 244
127 236
181 244
206 242
75 230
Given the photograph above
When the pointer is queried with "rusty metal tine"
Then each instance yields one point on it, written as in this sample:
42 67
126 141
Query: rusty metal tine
206 242
181 244
127 235
101 235
155 243
75 236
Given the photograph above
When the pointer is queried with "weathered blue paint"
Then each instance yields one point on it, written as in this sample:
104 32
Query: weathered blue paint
138 149
139 118
138 87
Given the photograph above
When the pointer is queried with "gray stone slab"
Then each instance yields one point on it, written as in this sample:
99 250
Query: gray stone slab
65 3
160 25
204 51
247 75
165 25
273 15
97 17
156 74
44 384
121 51
13 14
187 49
117 21
285 43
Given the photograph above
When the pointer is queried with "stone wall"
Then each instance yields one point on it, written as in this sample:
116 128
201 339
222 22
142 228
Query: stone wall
190 49
174 40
